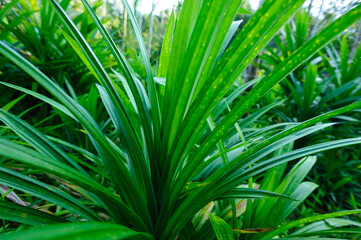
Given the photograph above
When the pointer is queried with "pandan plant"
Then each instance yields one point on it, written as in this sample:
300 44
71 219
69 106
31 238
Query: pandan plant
183 155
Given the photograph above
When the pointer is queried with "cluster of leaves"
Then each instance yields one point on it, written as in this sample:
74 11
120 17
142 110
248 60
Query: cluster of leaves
330 79
177 156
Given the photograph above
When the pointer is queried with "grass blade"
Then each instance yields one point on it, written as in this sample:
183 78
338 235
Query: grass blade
17 213
80 231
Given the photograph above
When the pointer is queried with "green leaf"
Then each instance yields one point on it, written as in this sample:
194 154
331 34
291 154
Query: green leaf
248 193
224 179
48 100
80 231
222 229
17 213
37 139
327 224
166 48
307 238
191 186
7 8
309 87
29 185
137 158
12 103
138 96
211 31
308 220
244 11
42 162
153 96
253 230
276 75
240 53
344 55
111 157
184 27
275 210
